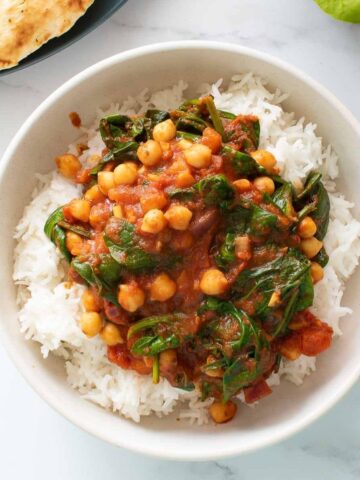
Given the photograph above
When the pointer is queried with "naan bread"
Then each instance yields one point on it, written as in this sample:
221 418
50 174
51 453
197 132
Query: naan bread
25 25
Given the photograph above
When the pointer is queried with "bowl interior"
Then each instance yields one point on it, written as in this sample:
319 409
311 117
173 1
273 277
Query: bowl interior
49 132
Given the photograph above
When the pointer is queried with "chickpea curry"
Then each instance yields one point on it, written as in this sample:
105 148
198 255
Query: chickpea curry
199 259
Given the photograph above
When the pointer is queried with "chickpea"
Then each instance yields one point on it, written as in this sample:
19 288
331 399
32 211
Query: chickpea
164 131
118 211
90 301
184 180
68 165
106 181
80 209
131 297
213 372
265 185
168 359
149 153
222 412
184 144
125 174
198 155
154 221
265 159
242 185
178 217
307 228
311 246
162 288
213 282
91 323
94 195
317 272
111 335
156 200
74 243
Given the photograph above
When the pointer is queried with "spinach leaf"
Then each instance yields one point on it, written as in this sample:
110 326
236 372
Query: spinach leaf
57 234
311 184
191 123
87 272
236 377
261 220
247 325
182 194
237 219
322 258
150 345
59 238
83 232
283 275
227 115
216 191
114 126
242 163
318 203
282 198
157 116
322 212
226 253
153 321
54 218
132 258
129 255
109 270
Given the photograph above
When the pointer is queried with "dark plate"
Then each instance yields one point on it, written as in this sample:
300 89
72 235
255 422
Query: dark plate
99 11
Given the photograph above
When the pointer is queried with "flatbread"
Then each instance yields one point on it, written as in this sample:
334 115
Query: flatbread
25 25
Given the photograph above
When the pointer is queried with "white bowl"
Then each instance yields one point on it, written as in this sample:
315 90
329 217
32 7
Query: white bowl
48 131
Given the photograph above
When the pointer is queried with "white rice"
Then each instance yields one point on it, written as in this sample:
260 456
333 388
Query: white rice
49 311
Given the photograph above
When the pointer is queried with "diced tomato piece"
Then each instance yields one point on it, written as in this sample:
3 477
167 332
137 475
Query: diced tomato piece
316 339
257 392
120 355
212 139
83 176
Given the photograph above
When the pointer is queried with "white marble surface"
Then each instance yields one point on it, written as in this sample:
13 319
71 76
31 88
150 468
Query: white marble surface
35 442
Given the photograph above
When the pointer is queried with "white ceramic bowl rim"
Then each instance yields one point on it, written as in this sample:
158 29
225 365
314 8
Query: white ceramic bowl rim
26 369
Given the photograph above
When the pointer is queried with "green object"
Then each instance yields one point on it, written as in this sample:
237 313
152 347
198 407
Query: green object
289 275
345 10
156 370
57 234
150 345
153 321
322 258
87 272
214 115
216 191
236 377
283 198
129 255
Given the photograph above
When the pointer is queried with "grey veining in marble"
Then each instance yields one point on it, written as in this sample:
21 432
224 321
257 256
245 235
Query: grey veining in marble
35 442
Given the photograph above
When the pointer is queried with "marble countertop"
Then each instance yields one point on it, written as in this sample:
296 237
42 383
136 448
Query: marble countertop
35 442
